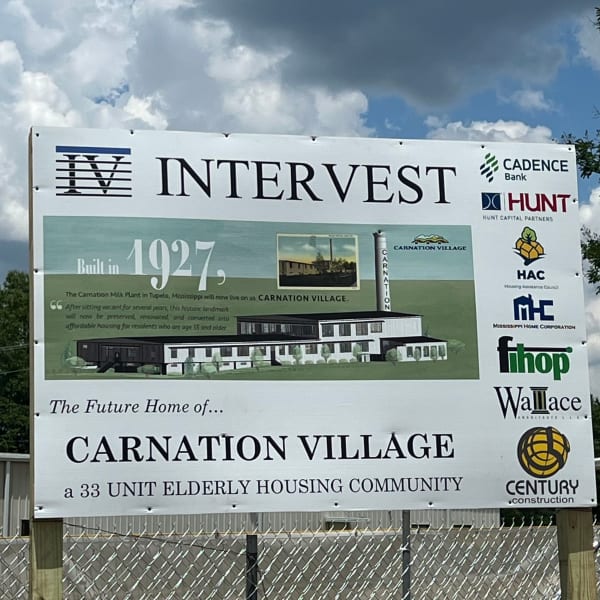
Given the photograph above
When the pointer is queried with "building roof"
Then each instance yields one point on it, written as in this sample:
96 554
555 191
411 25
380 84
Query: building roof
328 316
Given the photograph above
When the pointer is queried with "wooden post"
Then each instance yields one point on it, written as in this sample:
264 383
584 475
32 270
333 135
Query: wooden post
46 560
575 554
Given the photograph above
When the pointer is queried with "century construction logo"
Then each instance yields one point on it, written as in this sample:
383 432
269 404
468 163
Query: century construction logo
533 359
542 452
93 171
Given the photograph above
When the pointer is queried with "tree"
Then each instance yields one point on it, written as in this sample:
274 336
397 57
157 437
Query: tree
14 363
297 354
217 359
257 358
325 352
320 264
587 149
393 355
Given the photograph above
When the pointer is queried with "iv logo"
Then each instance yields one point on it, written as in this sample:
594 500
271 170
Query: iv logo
88 171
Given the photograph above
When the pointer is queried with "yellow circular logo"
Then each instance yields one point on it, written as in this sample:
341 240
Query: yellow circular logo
543 451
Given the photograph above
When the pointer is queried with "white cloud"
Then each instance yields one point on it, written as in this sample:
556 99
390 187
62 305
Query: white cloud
491 131
589 42
152 64
149 111
38 38
589 213
531 100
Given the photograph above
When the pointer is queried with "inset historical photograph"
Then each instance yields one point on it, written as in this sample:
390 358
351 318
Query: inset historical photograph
324 261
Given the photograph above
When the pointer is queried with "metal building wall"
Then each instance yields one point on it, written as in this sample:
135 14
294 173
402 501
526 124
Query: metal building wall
14 492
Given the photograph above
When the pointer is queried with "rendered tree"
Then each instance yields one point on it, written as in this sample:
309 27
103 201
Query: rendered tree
393 356
297 354
257 358
217 359
188 366
325 352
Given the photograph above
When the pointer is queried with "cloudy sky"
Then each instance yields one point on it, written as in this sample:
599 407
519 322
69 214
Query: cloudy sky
516 70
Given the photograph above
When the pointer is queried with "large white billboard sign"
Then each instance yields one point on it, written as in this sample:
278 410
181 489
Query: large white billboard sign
263 323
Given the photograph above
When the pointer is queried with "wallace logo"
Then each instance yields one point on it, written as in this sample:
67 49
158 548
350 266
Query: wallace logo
523 405
543 451
529 359
93 171
527 246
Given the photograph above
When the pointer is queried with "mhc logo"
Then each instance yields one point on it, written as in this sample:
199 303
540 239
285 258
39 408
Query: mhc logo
525 309
93 171
524 359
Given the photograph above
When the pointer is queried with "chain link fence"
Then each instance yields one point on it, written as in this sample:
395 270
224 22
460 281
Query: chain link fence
450 563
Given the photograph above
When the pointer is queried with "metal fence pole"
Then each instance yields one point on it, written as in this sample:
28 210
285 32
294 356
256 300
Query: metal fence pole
252 560
406 555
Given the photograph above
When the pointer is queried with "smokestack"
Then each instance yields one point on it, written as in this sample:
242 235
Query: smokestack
382 276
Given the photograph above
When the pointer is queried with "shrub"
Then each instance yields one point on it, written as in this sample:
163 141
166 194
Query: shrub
149 369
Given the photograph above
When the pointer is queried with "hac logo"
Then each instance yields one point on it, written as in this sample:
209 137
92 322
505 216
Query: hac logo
527 246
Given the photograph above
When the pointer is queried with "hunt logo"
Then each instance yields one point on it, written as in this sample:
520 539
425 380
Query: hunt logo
525 309
90 171
537 403
525 202
524 359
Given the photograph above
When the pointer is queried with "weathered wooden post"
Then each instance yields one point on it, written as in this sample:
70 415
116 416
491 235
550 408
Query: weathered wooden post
576 554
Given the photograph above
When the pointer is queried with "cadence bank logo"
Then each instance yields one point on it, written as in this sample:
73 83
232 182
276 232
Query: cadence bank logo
532 359
518 168
91 171
543 451
489 166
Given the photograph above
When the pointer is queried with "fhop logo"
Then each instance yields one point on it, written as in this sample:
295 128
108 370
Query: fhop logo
530 359
93 171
